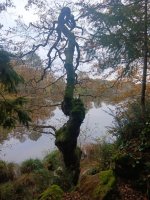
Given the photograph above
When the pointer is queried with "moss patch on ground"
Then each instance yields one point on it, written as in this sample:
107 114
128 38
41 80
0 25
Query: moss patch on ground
53 193
107 185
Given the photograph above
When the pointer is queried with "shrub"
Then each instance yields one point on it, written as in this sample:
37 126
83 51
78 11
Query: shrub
101 153
130 121
53 160
7 171
26 187
30 165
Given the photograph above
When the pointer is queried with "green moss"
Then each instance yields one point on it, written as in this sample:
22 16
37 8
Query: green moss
79 151
61 130
53 193
78 109
63 134
121 159
107 185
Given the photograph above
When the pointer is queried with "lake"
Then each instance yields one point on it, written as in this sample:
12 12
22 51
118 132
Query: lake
35 145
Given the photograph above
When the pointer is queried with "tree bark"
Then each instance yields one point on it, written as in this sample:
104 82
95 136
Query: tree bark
66 136
145 59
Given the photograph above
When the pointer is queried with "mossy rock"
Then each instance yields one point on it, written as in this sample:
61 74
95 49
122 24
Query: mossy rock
88 184
54 193
121 159
127 167
107 187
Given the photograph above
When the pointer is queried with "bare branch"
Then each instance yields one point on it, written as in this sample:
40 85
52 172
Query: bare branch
42 126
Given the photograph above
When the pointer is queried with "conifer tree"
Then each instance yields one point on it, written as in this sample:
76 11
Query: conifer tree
11 110
121 29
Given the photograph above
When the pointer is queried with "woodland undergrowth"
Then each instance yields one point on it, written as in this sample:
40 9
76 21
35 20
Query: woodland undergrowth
128 157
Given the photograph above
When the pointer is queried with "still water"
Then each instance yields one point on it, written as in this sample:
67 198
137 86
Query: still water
94 126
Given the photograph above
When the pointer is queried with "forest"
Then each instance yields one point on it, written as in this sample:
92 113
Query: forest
70 57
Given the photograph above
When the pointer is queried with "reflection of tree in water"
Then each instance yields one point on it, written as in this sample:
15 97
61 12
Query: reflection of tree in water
4 135
18 134
97 103
91 102
112 103
42 112
34 135
87 103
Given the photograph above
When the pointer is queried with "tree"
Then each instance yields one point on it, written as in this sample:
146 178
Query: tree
120 37
63 45
11 108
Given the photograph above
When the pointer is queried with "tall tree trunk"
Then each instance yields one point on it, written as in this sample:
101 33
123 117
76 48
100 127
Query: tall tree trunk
145 59
66 136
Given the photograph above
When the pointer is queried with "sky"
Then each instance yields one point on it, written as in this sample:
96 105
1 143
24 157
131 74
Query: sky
13 13
8 20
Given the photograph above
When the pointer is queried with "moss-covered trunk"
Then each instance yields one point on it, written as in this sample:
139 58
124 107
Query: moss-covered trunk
66 136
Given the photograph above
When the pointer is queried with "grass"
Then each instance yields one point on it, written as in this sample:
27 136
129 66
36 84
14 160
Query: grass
35 177
8 171
31 164
26 187
53 160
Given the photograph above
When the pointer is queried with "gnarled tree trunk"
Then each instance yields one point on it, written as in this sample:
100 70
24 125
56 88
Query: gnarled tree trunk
66 136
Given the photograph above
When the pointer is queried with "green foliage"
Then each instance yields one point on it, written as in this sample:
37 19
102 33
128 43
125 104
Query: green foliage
121 159
130 122
102 152
106 152
9 78
117 32
11 112
26 187
7 171
11 109
31 164
93 171
53 160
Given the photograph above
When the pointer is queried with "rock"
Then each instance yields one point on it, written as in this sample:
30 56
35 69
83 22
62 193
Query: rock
101 186
88 184
107 188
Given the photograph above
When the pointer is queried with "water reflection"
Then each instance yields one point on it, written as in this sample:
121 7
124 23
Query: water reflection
22 144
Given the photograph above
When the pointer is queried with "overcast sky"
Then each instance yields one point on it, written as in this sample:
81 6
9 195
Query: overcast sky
8 18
